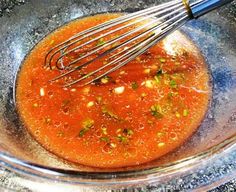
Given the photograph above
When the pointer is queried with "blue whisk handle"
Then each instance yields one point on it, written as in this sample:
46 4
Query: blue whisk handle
202 7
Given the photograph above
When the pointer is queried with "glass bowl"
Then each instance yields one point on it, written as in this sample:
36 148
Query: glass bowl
207 159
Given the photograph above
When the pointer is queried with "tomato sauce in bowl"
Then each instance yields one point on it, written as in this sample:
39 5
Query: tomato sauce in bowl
136 114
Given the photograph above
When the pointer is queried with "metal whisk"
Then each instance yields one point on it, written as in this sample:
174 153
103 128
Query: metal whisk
159 22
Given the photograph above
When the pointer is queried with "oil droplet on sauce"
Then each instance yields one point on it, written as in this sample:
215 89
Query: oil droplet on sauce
136 114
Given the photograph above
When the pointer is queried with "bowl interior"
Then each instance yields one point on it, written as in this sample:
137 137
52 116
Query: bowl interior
214 34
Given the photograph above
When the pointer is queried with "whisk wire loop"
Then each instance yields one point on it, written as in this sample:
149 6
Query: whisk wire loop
141 30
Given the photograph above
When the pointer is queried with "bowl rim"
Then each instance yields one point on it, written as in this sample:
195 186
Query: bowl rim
119 177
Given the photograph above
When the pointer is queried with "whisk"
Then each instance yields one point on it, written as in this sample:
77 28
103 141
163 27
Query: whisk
160 21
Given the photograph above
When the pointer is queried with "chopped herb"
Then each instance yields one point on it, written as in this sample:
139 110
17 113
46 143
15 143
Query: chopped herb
162 60
122 139
156 111
105 79
185 112
179 76
157 80
86 125
159 72
128 132
173 84
172 94
105 139
82 132
51 42
100 42
108 112
158 75
134 85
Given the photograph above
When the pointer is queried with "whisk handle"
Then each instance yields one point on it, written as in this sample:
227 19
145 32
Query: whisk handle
202 7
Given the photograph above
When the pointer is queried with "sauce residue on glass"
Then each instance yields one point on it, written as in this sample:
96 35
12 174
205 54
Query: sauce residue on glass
136 114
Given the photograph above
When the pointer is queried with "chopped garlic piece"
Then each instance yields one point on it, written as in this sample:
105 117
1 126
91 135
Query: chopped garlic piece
42 92
122 72
149 84
73 90
119 90
177 115
104 80
161 144
90 104
113 145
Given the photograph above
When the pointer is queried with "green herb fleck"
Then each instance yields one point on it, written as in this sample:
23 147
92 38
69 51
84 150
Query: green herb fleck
159 72
122 139
162 60
185 112
134 85
158 75
156 111
157 80
105 79
86 125
172 94
100 42
105 139
173 84
108 112
128 132
82 132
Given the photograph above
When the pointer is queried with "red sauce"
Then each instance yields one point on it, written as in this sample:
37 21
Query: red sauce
141 112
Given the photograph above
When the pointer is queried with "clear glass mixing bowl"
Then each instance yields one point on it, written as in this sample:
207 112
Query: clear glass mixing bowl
206 160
